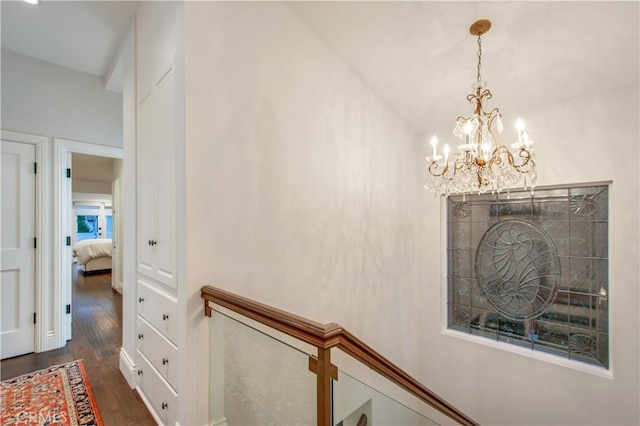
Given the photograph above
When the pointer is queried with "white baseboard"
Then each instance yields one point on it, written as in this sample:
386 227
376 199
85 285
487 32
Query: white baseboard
50 342
128 368
220 422
116 286
149 406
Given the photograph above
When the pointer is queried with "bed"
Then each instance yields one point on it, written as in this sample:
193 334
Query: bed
94 254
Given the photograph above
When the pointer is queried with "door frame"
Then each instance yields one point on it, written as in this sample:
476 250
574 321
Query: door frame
43 334
62 275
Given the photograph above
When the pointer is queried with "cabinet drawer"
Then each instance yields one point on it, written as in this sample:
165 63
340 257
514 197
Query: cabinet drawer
162 354
159 309
162 398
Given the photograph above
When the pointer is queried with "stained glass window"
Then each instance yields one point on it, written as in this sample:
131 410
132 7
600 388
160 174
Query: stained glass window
532 269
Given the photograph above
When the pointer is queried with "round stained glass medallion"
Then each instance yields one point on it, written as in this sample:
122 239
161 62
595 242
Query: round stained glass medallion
518 269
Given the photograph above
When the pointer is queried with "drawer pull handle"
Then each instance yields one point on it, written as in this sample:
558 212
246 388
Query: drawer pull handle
140 336
140 299
165 361
139 372
164 405
165 317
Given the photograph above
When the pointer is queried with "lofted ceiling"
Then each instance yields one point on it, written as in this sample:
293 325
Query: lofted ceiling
417 56
420 59
83 35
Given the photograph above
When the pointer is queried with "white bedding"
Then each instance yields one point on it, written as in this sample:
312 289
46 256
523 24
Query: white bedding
91 249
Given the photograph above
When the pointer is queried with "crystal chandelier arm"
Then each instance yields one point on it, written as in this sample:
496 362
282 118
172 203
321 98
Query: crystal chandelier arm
480 97
502 151
497 157
434 166
495 113
528 162
486 93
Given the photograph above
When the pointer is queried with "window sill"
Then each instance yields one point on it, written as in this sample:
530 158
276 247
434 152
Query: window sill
541 356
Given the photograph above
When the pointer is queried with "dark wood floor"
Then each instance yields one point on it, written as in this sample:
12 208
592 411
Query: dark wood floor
97 338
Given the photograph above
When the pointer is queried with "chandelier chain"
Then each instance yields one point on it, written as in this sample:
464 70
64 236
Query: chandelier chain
479 57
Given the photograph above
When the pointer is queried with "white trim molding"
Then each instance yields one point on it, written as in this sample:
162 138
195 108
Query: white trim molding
128 368
220 422
117 286
62 276
538 355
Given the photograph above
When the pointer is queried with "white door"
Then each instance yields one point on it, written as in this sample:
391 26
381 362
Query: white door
17 295
146 185
165 235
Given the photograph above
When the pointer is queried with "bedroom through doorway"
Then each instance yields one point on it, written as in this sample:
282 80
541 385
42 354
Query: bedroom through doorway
94 225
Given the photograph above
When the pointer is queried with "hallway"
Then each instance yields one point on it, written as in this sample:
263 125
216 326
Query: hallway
97 338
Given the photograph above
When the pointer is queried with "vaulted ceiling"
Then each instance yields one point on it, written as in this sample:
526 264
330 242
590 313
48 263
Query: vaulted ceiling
420 58
83 35
417 56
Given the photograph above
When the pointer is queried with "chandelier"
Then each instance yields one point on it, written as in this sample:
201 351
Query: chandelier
481 164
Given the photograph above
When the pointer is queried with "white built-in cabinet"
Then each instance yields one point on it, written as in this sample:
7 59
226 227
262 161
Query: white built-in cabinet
157 352
156 182
156 302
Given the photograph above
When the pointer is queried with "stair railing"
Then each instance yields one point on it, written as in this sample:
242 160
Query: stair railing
324 337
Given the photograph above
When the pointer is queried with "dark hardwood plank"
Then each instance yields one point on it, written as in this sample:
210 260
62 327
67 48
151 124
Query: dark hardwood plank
97 338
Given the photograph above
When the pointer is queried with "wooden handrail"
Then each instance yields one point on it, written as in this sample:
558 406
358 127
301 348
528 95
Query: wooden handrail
327 336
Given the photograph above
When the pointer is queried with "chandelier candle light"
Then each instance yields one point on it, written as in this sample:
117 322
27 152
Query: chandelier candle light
480 163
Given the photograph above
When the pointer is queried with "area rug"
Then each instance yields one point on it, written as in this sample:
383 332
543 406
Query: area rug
58 395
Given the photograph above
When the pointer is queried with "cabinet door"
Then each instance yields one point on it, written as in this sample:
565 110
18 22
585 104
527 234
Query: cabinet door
162 354
159 309
159 396
166 180
147 153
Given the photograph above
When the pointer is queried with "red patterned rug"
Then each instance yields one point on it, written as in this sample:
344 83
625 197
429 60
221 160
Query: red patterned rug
58 395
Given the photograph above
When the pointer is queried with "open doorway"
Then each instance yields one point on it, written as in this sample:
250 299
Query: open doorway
86 176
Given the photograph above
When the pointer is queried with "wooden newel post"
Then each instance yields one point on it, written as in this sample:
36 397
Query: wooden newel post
324 387
325 371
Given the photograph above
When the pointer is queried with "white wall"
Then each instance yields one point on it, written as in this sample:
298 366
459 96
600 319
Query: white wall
306 171
91 187
575 142
92 174
301 185
157 33
46 99
305 192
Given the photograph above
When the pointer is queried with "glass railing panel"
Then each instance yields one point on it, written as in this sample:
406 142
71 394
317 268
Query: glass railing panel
357 404
257 379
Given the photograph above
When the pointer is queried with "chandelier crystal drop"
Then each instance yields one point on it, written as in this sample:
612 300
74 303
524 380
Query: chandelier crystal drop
480 163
